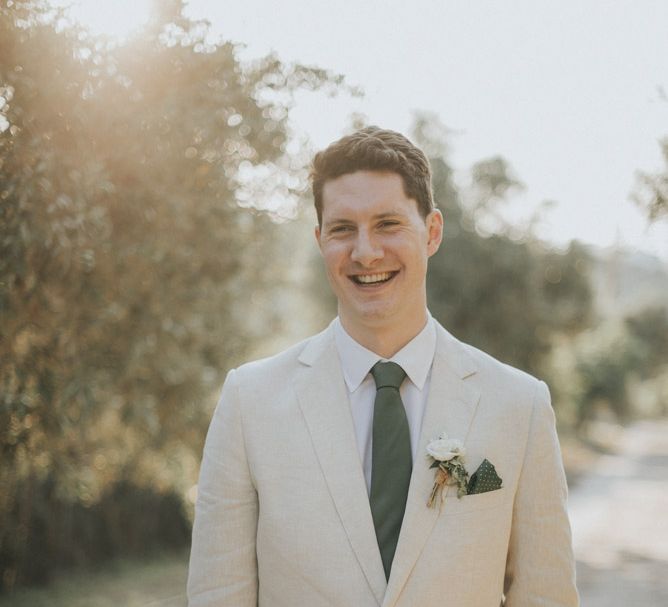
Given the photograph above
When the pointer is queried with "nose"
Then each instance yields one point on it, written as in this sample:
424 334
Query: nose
366 249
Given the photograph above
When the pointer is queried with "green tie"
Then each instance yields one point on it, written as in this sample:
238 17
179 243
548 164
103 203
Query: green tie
391 460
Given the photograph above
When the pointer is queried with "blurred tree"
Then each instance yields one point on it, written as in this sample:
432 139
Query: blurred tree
604 383
137 251
508 297
651 192
615 357
648 337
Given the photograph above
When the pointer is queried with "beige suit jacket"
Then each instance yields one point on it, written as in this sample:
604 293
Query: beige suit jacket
282 516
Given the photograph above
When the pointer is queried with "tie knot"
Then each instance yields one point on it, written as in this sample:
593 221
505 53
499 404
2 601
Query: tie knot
387 375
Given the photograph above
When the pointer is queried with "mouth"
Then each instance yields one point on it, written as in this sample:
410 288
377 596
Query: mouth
373 279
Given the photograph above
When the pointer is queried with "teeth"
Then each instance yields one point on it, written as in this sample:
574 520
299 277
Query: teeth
370 278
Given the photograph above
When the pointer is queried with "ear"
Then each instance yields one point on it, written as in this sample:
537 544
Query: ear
317 237
434 223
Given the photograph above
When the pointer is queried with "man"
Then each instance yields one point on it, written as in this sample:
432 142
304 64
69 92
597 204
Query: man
315 477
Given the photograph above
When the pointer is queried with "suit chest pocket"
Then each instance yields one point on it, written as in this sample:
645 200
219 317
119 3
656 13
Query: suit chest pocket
500 499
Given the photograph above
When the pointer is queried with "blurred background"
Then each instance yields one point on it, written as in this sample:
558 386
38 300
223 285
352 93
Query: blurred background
156 230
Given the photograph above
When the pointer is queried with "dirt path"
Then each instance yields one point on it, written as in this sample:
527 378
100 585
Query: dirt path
619 514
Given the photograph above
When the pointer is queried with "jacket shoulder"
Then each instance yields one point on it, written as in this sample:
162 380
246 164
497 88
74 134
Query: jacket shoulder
505 381
501 370
282 364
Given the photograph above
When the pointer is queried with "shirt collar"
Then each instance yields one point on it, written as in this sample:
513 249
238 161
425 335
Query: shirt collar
415 357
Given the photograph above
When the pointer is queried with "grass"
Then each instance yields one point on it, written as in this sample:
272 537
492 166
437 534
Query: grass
157 582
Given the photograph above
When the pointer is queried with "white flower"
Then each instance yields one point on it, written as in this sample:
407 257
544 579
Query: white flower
443 449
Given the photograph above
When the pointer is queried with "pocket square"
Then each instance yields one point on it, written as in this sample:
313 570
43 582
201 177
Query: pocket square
484 479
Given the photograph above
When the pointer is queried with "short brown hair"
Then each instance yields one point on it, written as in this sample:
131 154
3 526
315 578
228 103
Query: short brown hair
375 149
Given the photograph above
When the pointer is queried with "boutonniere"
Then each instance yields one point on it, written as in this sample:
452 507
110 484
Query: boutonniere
447 455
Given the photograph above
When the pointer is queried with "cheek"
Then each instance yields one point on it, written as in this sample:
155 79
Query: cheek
334 255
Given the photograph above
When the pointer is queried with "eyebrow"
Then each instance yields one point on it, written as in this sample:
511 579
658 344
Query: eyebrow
388 214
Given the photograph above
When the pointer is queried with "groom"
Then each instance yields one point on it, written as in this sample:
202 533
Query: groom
315 481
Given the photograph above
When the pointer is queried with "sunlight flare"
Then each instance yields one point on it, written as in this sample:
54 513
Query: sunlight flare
117 19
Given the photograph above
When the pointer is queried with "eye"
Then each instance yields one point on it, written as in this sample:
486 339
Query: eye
388 223
340 229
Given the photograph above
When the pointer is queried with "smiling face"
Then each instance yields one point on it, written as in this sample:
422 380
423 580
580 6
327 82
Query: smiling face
375 245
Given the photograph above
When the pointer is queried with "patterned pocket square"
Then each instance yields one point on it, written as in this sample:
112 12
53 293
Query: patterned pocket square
484 479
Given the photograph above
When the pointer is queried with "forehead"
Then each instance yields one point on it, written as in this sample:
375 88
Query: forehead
366 191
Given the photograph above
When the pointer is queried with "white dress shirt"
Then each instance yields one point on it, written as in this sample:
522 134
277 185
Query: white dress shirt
415 358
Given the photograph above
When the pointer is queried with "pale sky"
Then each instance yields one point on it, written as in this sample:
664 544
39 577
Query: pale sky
567 92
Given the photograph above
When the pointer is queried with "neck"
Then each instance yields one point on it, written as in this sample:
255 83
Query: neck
384 339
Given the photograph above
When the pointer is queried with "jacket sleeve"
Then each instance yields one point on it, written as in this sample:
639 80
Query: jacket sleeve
540 568
223 563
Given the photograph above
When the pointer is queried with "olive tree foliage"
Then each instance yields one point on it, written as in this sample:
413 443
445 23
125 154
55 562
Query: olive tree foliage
651 192
613 362
137 251
510 296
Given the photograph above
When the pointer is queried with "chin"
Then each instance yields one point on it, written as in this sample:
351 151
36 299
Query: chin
374 314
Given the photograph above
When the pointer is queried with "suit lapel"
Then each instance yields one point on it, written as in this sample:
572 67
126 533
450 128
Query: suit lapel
325 405
451 406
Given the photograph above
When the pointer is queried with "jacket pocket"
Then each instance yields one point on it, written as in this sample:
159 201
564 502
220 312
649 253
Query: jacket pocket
477 501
